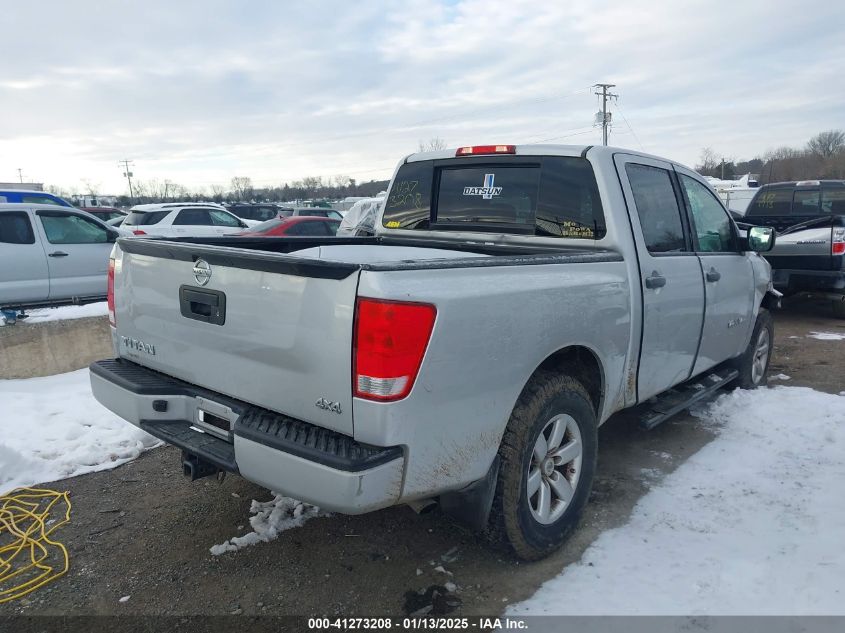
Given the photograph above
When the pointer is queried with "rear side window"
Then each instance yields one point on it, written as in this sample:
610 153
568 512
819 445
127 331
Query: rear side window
221 218
192 217
833 201
771 202
308 228
41 200
657 208
145 218
15 228
546 196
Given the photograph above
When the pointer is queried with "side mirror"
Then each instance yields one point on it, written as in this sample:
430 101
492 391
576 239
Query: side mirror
761 239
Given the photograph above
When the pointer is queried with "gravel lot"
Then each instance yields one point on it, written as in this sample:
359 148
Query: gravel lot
144 531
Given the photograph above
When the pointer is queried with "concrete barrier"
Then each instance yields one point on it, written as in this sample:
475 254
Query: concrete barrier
54 347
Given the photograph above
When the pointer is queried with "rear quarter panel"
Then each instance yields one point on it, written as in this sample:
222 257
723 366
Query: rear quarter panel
494 327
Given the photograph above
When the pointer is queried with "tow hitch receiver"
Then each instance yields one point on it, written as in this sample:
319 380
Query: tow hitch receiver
196 468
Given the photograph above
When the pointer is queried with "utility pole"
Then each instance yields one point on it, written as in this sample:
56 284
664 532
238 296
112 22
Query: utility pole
605 117
20 174
125 163
723 167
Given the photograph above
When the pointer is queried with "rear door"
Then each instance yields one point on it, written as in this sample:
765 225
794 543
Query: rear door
728 275
670 274
78 250
23 263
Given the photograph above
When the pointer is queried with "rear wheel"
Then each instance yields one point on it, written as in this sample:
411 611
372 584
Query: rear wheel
548 459
753 365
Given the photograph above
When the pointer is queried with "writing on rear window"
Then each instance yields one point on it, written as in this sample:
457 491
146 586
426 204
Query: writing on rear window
547 196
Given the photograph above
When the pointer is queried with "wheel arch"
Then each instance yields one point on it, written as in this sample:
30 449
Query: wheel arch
583 364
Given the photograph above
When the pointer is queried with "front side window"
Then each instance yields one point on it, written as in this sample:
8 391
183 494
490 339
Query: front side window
657 208
72 229
833 201
15 228
806 202
712 227
221 218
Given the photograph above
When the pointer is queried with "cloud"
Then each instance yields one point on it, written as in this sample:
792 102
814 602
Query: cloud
198 92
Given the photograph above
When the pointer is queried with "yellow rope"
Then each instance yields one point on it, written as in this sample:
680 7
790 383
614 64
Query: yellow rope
28 558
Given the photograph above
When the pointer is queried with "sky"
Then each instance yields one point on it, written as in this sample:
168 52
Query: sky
199 92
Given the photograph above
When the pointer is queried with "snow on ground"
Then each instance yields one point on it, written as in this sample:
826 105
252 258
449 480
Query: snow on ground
52 428
826 336
268 520
41 315
751 524
779 377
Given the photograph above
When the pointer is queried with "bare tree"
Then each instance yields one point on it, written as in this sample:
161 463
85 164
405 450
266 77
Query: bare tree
433 144
708 161
242 187
91 188
217 192
827 144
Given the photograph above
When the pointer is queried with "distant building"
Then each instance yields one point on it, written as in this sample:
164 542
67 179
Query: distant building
28 186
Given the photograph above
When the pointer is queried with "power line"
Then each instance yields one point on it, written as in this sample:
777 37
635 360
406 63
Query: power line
629 126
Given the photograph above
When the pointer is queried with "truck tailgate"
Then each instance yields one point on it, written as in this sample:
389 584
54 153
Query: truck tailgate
269 329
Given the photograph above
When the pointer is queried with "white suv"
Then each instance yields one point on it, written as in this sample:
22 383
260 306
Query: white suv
181 219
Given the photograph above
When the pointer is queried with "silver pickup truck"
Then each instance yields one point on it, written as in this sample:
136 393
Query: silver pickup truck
513 298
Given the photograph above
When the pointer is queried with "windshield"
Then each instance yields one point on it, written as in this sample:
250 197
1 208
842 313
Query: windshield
266 226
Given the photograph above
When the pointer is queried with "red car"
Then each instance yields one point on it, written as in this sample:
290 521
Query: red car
291 226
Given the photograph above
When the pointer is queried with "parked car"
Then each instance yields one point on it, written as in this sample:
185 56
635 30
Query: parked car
314 212
105 213
255 212
51 255
300 225
809 217
513 298
32 197
118 221
182 219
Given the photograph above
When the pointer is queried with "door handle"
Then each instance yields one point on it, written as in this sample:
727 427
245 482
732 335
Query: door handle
58 254
655 281
713 274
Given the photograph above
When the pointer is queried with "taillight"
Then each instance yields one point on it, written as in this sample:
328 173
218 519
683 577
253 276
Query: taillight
486 149
837 244
390 341
138 232
112 319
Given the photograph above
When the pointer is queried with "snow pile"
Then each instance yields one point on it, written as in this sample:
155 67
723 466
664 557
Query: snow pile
270 518
826 336
52 428
42 315
752 524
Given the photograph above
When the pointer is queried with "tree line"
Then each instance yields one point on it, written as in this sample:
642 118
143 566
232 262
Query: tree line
823 157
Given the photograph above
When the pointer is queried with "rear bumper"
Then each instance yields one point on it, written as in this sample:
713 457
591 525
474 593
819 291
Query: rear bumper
808 280
288 456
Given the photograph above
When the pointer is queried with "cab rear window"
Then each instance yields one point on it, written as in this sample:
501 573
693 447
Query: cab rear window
544 196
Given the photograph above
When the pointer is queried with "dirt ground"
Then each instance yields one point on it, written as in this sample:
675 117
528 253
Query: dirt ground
144 531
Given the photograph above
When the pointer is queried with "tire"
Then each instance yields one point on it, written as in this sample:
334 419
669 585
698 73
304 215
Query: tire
549 403
753 365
